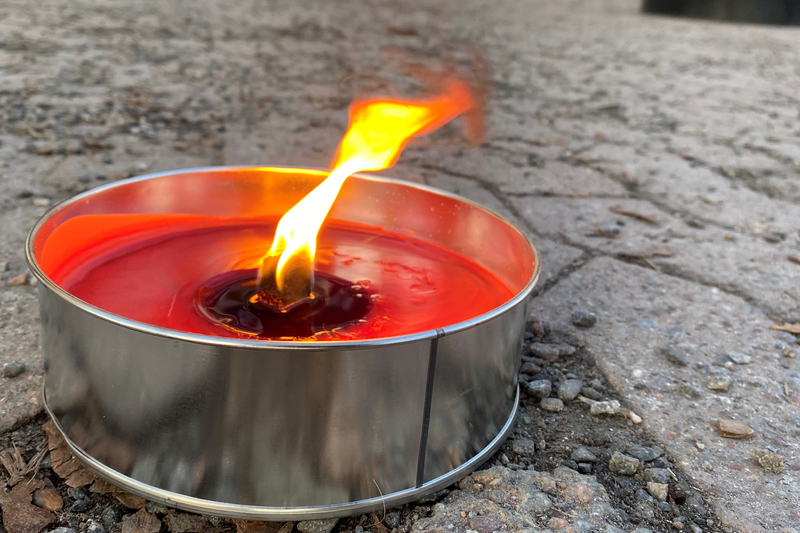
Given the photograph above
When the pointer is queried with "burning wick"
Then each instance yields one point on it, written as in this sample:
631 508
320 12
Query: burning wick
378 131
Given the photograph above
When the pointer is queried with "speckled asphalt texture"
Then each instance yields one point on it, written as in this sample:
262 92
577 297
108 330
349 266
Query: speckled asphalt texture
653 160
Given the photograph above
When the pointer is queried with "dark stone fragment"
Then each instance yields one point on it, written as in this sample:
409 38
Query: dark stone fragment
81 506
644 453
659 463
392 520
584 319
591 393
538 388
529 369
664 506
585 468
695 503
675 357
13 369
111 516
583 455
657 475
485 524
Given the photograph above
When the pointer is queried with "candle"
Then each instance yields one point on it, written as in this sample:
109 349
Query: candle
156 269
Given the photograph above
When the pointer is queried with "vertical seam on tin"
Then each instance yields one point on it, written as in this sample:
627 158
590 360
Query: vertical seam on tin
426 414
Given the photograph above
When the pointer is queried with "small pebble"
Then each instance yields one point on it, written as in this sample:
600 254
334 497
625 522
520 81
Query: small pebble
657 475
392 520
110 516
739 358
13 369
156 508
540 388
734 429
529 369
62 530
592 393
553 405
565 349
548 352
568 390
49 499
317 526
20 279
684 389
771 462
623 464
93 526
658 490
585 468
645 454
81 506
610 407
41 202
583 455
76 493
584 319
719 383
675 357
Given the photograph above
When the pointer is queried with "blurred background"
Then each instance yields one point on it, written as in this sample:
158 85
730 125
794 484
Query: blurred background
756 11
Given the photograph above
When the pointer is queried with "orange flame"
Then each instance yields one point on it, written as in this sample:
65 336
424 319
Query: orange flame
378 131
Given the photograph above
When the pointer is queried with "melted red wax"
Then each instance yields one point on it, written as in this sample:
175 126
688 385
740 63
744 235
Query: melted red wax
151 271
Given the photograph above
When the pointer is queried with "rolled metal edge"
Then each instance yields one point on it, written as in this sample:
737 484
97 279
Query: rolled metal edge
248 512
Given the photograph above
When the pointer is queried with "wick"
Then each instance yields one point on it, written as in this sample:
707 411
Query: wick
297 278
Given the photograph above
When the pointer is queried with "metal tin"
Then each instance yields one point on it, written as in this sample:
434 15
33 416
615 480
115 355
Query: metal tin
280 430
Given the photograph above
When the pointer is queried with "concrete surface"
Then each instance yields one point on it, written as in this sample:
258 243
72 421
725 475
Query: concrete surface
593 106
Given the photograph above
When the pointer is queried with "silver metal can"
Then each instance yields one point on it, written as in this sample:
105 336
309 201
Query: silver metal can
283 430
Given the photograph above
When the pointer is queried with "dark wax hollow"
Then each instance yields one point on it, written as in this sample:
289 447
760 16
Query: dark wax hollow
231 301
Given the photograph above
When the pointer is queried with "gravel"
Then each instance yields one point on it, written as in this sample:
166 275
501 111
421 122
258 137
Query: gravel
740 358
81 506
548 352
592 393
769 461
644 454
553 405
623 464
584 319
13 369
568 390
657 475
538 389
675 357
583 455
610 407
719 383
317 526
658 490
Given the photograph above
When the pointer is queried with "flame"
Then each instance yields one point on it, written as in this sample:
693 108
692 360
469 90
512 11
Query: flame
378 131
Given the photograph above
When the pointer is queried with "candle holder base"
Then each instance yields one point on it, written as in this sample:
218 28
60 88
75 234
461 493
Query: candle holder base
309 428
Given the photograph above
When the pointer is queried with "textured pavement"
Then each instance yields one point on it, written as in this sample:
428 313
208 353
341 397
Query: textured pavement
689 127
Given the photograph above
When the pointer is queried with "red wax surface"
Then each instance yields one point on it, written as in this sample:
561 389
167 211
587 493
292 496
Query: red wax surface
149 267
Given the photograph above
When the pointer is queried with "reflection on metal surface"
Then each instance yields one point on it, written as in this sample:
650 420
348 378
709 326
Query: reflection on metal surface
286 430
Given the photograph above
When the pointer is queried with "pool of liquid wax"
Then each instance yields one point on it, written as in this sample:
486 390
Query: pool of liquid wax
231 300
154 276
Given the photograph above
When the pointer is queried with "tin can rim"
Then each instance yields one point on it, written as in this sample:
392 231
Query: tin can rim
262 344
